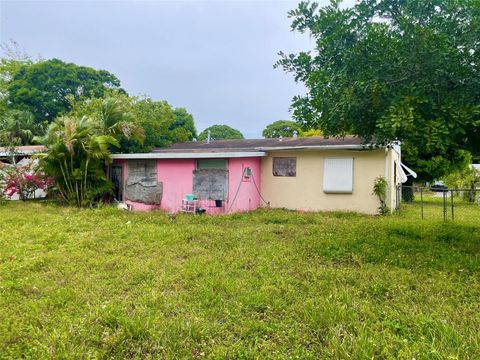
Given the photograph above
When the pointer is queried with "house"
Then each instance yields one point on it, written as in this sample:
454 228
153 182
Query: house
310 174
17 153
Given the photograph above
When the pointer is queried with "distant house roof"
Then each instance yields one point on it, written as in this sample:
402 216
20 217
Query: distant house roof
247 147
22 150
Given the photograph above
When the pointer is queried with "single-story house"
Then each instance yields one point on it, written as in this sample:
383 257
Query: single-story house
310 174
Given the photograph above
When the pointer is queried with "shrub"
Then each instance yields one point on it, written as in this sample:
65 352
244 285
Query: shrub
380 190
23 179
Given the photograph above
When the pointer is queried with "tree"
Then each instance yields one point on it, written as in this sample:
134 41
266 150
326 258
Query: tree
43 88
157 120
387 70
183 129
220 132
116 119
17 127
10 63
467 179
75 157
79 148
281 128
311 132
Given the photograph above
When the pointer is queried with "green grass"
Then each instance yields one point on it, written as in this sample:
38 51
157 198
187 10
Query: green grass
268 284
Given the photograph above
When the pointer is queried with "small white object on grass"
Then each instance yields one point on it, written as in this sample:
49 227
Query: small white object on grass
123 206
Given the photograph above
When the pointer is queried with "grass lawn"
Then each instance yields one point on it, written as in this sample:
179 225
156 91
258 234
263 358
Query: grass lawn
268 284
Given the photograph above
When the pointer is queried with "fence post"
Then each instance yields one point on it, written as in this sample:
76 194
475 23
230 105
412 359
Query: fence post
451 202
444 206
421 200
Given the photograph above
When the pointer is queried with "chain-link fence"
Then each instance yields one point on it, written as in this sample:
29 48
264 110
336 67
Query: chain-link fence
439 202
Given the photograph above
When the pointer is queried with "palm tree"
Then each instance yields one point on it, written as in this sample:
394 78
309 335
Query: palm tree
115 120
79 147
76 156
18 127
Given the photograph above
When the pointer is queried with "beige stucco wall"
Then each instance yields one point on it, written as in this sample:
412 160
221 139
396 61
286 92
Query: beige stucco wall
305 190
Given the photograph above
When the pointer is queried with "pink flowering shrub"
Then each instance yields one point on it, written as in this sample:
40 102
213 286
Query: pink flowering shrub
23 180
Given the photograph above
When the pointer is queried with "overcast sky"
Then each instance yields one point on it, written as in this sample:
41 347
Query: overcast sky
215 58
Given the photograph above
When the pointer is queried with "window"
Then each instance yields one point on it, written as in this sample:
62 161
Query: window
338 175
284 166
212 164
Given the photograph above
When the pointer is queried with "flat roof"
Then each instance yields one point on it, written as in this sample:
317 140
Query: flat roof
22 150
190 155
262 144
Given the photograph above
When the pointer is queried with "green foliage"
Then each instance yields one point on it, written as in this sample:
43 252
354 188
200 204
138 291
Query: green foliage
11 61
79 147
311 132
466 179
388 70
220 132
281 128
43 88
51 88
17 127
183 129
151 123
268 284
77 152
380 190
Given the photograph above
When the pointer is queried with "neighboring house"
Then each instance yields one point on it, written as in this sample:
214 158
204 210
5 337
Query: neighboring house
310 174
17 153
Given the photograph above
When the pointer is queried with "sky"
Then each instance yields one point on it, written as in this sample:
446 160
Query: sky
214 58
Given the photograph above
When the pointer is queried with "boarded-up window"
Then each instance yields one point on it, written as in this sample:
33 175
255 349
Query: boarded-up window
338 175
210 184
284 166
144 171
212 164
142 185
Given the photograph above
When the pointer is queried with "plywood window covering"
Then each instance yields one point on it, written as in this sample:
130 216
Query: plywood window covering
284 166
210 184
338 175
144 171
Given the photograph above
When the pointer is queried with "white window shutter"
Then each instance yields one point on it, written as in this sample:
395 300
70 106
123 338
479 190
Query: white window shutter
338 175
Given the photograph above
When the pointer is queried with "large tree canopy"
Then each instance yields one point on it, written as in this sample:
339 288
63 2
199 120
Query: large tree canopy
281 128
220 132
43 88
389 69
160 123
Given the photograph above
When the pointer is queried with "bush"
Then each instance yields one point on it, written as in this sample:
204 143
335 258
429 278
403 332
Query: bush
23 179
380 190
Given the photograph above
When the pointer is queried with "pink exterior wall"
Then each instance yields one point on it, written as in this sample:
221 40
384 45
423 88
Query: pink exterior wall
177 178
248 197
